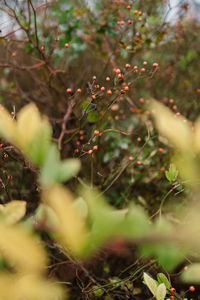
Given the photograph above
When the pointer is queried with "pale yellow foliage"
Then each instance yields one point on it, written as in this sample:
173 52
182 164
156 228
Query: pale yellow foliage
185 140
21 249
28 287
13 211
173 128
29 124
7 126
72 230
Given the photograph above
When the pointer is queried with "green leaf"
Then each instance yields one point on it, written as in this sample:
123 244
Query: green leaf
172 174
161 292
151 283
56 171
163 279
93 117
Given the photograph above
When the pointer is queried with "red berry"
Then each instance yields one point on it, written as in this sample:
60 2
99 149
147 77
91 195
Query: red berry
90 151
192 288
95 148
126 88
130 22
139 139
160 150
79 91
102 88
172 290
109 92
155 65
120 76
107 78
118 71
135 12
128 7
143 70
96 132
144 63
69 90
122 92
139 162
139 19
66 45
76 151
130 158
127 66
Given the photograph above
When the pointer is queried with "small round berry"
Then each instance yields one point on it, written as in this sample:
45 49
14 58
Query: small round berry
10 177
139 139
141 100
93 97
178 114
109 92
1 145
116 118
132 110
174 107
135 71
160 150
102 88
198 91
76 151
140 13
172 290
120 76
135 67
42 48
162 169
14 54
81 132
139 162
5 155
96 132
122 22
185 268
143 70
79 91
78 143
139 19
126 88
155 65
107 78
192 288
95 148
97 86
122 92
136 12
171 101
130 158
118 71
127 66
94 77
69 90
145 63
128 7
90 151
66 45
130 22
81 137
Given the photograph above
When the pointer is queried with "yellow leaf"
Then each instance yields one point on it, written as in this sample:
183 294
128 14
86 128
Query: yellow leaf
29 124
173 128
72 229
13 211
7 125
196 138
29 287
21 249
